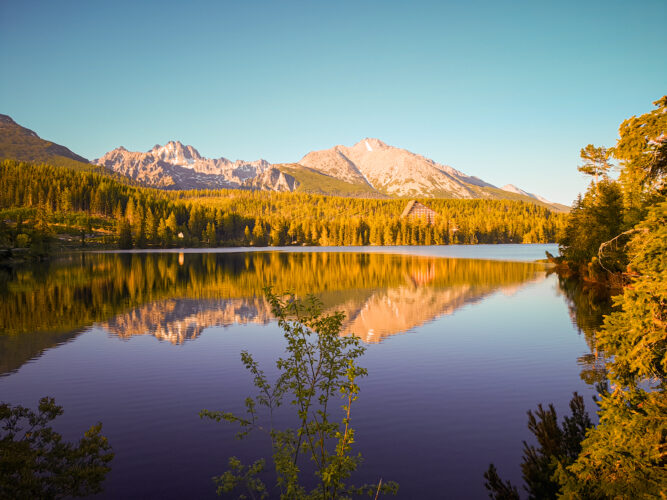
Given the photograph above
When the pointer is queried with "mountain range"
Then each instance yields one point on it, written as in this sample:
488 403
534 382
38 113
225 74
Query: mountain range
370 168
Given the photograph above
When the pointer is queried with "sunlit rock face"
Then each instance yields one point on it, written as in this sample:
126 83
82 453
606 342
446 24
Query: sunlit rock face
368 168
272 179
177 166
392 171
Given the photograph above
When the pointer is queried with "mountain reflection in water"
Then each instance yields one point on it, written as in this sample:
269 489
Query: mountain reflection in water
142 342
175 297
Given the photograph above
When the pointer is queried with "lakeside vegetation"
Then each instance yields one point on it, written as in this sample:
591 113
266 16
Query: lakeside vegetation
44 204
615 236
36 462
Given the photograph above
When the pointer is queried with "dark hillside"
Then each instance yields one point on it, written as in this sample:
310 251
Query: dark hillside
20 143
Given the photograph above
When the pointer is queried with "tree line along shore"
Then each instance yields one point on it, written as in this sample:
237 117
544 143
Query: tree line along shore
44 205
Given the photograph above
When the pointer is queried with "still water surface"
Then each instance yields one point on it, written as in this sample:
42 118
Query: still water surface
458 349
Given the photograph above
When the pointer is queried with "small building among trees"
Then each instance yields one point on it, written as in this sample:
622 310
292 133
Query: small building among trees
415 210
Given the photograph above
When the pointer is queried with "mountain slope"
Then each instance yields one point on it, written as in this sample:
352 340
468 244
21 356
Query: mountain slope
177 166
334 163
273 179
511 188
399 173
370 168
312 181
20 143
391 171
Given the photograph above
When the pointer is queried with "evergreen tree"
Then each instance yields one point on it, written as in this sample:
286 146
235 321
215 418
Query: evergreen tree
210 236
124 232
163 233
595 162
258 234
35 462
558 446
624 456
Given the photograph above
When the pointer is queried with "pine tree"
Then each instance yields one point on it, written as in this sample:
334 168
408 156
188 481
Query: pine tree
210 236
124 231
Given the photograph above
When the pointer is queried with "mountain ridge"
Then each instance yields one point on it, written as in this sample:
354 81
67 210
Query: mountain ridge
179 166
21 143
369 168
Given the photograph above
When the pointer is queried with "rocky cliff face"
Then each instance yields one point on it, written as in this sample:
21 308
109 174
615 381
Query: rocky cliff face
370 165
272 179
177 166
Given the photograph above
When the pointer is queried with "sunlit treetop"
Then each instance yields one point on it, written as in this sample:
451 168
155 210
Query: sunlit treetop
642 146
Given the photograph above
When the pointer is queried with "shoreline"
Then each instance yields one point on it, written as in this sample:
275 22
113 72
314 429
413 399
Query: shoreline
536 251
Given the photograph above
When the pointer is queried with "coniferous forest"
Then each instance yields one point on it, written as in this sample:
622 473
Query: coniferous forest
615 239
41 204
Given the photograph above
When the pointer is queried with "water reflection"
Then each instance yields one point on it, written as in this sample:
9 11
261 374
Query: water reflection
176 321
482 341
588 305
174 297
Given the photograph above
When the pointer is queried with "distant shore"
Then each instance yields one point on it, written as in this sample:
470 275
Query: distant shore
499 251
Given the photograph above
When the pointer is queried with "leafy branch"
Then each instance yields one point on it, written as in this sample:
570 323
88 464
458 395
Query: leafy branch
318 367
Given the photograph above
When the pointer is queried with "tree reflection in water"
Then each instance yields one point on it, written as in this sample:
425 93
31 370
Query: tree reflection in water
175 296
588 305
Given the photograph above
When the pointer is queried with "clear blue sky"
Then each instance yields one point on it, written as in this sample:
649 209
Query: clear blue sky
507 91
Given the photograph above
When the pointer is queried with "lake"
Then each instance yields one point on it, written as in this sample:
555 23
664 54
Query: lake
461 342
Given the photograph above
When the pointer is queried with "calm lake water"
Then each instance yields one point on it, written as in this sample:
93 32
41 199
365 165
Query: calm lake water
461 342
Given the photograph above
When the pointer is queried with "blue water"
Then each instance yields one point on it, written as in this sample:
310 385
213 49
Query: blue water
445 396
506 252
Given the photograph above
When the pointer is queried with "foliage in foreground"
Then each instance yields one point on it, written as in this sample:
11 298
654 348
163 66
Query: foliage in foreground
610 209
558 446
595 218
318 367
625 455
36 463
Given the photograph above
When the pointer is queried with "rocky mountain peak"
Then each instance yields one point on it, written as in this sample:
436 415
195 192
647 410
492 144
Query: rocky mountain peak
176 153
179 166
6 119
371 144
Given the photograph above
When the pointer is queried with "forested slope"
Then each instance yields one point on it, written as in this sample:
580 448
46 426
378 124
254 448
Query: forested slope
57 201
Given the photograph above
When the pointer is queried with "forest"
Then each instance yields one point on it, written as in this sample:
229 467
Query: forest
615 240
41 204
